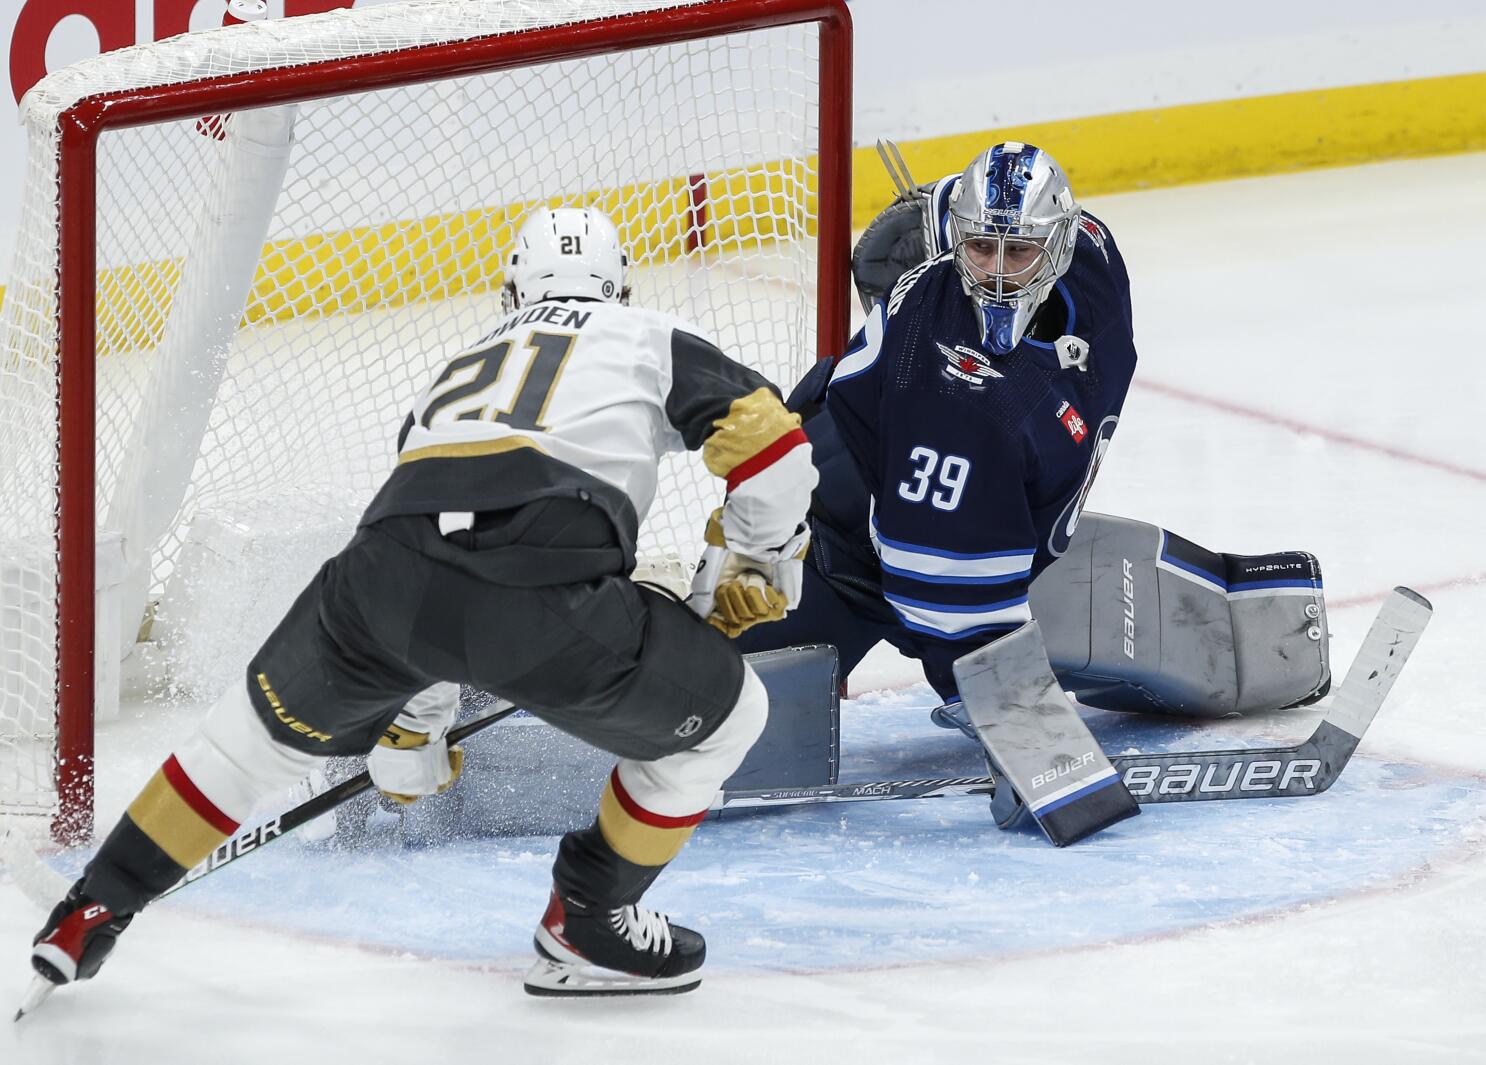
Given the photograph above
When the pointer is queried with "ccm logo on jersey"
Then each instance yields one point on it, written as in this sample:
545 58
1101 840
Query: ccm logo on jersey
967 364
1073 422
1266 774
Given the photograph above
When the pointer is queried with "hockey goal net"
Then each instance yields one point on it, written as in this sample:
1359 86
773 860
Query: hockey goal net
243 251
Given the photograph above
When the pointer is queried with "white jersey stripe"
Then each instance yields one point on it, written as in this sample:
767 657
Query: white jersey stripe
950 567
958 621
860 359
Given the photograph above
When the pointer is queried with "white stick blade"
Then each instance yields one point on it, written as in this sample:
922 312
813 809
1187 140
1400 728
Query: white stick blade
1381 658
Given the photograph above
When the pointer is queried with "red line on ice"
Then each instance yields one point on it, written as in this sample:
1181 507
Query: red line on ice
1422 589
1297 426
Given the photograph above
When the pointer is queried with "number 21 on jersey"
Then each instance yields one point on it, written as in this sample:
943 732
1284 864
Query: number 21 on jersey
472 383
941 482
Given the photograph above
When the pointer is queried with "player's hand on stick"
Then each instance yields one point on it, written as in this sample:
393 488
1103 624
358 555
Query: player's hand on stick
734 592
405 765
413 759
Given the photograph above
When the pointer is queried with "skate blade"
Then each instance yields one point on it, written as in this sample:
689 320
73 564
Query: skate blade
39 991
565 980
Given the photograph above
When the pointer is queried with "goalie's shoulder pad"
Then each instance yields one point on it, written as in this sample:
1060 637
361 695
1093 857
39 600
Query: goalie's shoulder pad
907 282
1091 232
937 237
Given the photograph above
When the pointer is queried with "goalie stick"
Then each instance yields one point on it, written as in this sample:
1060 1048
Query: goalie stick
1308 768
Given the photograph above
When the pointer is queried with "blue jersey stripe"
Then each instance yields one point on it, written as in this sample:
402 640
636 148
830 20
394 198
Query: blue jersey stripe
955 608
919 549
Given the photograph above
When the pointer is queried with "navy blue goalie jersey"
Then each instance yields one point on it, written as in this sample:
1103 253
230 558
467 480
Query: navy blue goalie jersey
968 470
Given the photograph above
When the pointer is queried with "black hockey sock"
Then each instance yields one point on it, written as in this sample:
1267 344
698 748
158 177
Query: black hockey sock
129 870
590 870
168 828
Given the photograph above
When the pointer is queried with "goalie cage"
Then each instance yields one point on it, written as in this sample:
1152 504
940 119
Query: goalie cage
214 325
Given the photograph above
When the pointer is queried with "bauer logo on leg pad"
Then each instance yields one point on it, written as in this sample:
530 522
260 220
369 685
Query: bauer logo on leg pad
1063 769
1038 741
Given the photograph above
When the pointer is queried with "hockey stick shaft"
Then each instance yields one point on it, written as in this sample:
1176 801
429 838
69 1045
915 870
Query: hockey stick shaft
307 811
1185 776
1182 776
1308 768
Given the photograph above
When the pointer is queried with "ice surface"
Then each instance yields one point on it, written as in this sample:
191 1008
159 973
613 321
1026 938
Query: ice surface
1310 377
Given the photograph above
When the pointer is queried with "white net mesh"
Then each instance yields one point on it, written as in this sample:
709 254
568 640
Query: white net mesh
381 257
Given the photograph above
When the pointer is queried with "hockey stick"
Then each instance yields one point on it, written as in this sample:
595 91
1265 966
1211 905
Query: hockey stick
234 848
1308 768
41 988
43 885
38 881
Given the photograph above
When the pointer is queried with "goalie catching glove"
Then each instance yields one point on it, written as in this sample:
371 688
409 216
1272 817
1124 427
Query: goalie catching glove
734 591
412 759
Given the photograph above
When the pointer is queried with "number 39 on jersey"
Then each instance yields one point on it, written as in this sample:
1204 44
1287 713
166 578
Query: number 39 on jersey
940 481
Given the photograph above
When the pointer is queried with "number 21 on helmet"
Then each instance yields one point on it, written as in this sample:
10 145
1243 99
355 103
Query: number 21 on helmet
565 252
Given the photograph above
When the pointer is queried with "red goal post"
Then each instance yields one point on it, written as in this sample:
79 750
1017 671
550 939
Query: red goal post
78 270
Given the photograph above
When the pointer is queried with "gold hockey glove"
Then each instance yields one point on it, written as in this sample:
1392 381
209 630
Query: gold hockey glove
734 591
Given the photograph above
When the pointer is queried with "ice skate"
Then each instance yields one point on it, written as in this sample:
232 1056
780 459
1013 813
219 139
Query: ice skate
585 950
77 938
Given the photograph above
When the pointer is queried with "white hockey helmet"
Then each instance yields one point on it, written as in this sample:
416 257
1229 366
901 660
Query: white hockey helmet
564 253
1014 223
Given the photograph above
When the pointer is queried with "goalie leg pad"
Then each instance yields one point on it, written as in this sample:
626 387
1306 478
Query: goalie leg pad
1137 618
1037 742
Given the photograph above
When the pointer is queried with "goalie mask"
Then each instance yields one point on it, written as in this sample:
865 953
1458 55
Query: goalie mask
565 253
1014 223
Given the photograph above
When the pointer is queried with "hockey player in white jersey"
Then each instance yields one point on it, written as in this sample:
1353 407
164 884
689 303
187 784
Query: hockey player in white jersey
498 555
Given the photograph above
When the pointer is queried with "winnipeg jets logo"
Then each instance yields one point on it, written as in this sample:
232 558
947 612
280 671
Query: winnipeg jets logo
967 364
